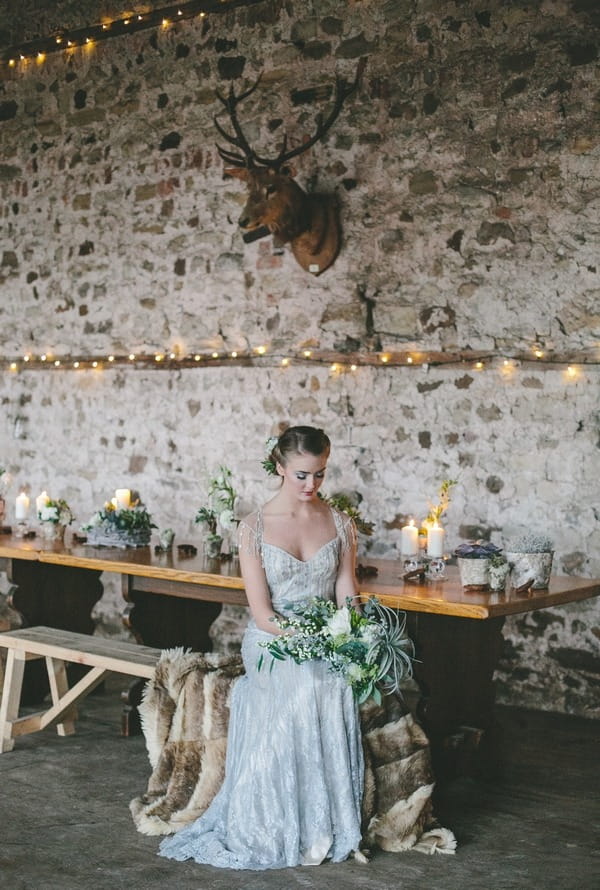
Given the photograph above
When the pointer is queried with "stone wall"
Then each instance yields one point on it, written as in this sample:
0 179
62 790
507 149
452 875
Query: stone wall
466 170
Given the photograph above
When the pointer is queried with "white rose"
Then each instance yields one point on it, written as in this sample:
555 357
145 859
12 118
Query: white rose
48 514
226 519
339 623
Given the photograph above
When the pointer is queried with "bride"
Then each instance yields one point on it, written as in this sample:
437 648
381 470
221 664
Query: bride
294 770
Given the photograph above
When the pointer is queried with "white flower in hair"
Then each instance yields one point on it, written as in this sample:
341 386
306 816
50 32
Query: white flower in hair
270 444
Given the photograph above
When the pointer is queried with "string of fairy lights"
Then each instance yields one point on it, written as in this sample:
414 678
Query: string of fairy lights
69 40
573 366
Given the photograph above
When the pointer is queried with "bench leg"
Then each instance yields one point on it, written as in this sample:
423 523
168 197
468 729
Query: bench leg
11 698
59 686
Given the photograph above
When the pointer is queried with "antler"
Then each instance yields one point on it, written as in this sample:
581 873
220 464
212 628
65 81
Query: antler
239 140
249 158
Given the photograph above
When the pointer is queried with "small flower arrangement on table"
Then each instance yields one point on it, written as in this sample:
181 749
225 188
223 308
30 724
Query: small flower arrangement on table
369 649
219 515
4 480
116 526
54 517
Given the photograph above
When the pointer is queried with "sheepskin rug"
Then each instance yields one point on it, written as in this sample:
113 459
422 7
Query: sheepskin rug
185 715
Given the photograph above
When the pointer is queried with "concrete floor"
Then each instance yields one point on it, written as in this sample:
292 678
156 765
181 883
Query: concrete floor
65 823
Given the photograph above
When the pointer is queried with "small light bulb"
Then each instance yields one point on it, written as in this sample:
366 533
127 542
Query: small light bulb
75 364
409 360
479 365
261 350
179 12
172 355
158 357
131 356
197 358
307 353
165 23
539 353
334 367
126 21
234 354
43 357
13 366
140 17
69 43
385 359
26 358
94 364
285 362
353 367
59 39
105 27
571 371
215 355
111 358
57 363
12 63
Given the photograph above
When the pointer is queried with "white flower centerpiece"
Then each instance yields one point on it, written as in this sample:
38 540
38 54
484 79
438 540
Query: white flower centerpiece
119 526
219 516
54 516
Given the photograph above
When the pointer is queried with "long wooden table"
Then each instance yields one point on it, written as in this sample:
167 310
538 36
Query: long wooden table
173 599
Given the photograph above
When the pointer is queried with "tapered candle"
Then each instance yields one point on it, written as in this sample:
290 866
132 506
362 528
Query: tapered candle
409 542
21 506
435 541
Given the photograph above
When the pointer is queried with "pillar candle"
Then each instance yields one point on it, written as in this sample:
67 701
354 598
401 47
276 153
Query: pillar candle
41 501
409 543
21 506
123 496
435 541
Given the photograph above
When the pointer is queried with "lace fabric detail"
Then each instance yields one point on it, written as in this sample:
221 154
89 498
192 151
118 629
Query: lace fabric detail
251 532
249 539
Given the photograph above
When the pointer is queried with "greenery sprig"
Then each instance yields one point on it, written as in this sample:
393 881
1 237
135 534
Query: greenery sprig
437 510
343 502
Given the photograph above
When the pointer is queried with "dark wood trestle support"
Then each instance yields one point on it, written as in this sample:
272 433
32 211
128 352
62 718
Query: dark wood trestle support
173 598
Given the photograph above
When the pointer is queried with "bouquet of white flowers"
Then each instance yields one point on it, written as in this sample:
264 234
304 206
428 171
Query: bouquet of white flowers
369 648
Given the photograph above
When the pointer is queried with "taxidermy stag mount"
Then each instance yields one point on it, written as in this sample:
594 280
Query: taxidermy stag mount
276 203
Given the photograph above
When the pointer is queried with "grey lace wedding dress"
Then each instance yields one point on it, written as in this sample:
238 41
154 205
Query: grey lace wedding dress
294 769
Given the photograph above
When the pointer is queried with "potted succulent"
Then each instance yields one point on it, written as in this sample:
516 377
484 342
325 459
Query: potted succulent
498 571
530 558
474 562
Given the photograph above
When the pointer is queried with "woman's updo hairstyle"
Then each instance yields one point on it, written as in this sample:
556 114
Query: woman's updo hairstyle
297 440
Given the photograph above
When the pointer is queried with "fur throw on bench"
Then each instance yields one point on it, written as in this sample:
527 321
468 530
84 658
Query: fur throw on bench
185 714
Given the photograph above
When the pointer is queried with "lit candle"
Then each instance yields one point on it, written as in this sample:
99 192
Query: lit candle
435 541
114 503
21 506
409 543
41 501
123 496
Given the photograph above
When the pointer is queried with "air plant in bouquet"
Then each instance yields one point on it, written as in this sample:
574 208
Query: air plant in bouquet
369 648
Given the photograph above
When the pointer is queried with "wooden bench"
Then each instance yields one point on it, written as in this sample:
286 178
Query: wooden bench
58 647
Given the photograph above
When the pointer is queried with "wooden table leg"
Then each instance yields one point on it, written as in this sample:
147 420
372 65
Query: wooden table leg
54 596
455 675
163 621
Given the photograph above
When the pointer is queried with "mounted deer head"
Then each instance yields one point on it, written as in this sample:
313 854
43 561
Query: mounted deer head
276 203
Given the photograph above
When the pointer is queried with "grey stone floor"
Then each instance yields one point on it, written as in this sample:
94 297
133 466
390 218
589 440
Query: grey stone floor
65 823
